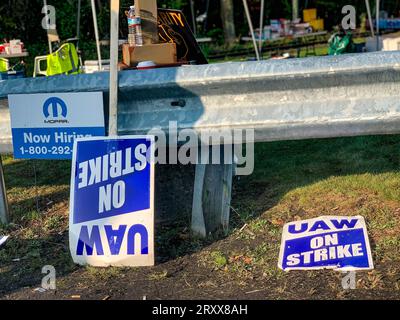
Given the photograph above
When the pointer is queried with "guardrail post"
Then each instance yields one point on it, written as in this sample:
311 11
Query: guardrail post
212 197
3 197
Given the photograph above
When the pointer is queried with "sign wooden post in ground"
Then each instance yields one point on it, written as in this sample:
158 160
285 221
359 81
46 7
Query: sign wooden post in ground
3 197
113 131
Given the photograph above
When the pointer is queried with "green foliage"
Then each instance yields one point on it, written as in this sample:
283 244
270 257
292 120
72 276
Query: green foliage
217 34
173 4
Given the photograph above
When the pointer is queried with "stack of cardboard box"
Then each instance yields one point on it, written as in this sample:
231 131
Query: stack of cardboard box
152 50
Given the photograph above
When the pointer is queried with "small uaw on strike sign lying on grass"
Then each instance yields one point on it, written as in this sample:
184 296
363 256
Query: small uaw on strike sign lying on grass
339 243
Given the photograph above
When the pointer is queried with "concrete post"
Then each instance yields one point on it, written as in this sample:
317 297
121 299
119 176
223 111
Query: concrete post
212 197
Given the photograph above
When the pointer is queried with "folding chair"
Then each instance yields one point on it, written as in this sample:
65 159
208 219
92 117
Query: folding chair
65 60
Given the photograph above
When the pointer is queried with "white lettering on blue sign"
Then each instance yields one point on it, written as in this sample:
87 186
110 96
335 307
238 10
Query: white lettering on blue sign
334 242
44 126
112 201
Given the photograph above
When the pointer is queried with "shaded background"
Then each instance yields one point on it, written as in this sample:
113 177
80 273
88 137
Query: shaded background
21 19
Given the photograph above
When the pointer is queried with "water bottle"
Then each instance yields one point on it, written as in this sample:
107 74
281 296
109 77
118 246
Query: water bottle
135 37
131 26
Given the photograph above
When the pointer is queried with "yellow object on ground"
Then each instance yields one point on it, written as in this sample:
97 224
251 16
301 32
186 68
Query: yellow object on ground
309 15
317 25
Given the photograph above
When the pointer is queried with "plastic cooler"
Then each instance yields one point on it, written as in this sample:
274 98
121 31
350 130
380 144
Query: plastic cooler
12 75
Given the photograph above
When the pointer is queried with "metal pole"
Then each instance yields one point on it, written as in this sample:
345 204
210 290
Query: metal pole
78 22
47 29
112 127
193 17
4 215
261 24
371 25
96 33
206 19
246 9
377 25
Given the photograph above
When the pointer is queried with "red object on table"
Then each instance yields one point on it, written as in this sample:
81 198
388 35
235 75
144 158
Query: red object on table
5 48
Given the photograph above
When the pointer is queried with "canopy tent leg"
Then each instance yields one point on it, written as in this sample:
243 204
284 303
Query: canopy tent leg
246 9
193 17
48 39
96 33
212 197
112 128
4 215
78 23
206 19
261 24
371 25
377 25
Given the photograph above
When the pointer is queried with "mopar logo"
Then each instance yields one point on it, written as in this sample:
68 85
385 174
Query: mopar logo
53 109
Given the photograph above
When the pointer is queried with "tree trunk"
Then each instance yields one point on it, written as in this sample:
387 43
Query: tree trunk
228 21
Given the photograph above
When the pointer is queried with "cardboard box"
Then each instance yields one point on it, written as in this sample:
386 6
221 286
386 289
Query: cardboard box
15 47
309 15
391 42
160 54
387 42
148 14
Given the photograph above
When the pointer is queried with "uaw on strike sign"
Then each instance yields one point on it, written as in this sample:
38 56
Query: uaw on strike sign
112 201
335 242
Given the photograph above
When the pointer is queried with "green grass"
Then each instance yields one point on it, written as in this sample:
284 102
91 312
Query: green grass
306 179
158 276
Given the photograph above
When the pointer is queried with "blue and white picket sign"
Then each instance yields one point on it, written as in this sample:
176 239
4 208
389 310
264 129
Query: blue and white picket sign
331 242
112 201
44 126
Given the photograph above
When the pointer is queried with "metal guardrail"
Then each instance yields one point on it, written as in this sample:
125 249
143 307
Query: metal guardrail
293 99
